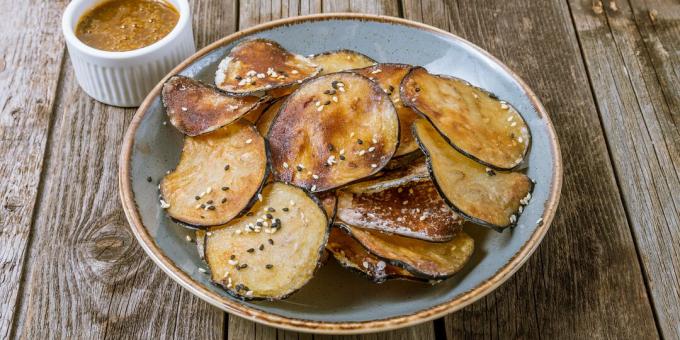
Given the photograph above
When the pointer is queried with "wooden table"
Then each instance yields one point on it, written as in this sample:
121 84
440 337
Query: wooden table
609 75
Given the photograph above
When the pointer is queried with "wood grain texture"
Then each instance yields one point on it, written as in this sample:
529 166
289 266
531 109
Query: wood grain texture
586 272
86 276
30 58
243 329
626 69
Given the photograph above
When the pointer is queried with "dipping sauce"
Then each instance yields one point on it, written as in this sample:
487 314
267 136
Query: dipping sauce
125 25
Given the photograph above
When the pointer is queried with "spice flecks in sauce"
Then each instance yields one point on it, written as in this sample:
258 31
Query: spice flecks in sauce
125 25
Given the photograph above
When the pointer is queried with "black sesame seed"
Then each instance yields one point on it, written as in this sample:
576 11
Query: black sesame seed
226 167
270 209
342 157
259 224
269 266
224 200
225 188
285 209
278 221
490 172
359 141
334 84
212 207
243 266
391 88
327 92
299 168
417 89
269 216
202 206
240 286
251 250
209 202
202 216
250 213
331 147
327 102
332 92
197 198
238 78
261 247
149 179
270 241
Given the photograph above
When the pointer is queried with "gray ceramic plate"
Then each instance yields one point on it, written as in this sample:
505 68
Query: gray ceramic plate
337 300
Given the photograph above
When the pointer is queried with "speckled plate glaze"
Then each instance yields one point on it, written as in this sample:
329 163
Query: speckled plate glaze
337 300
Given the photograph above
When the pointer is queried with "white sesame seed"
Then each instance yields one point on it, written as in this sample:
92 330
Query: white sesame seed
404 202
365 264
249 140
232 262
188 238
374 166
371 149
320 108
510 118
249 293
334 99
422 218
165 122
292 202
315 176
260 75
313 187
209 233
259 197
184 108
318 103
301 166
351 135
202 270
362 152
342 151
520 139
164 204
285 165
374 141
209 190
342 89
294 71
504 106
513 124
376 71
251 73
238 232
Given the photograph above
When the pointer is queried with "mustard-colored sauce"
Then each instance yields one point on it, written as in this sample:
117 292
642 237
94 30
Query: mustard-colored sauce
125 25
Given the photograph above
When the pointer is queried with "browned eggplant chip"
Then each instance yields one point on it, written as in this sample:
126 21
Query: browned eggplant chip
389 77
472 120
352 255
340 60
329 202
274 249
258 65
333 130
218 175
408 206
481 195
195 108
428 260
265 120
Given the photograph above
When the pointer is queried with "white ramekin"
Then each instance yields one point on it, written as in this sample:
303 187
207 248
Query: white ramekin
125 78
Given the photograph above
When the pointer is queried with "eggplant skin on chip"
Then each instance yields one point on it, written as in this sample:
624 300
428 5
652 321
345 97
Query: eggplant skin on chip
195 108
218 176
274 249
472 120
479 194
335 129
258 65
423 259
389 77
352 255
341 60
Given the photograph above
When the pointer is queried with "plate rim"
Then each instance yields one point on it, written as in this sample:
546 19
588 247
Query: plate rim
328 327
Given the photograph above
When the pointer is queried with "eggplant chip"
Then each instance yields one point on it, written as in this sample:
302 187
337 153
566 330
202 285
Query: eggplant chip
195 108
408 206
473 121
389 77
274 249
329 202
479 194
257 65
264 122
352 255
218 175
427 260
333 130
340 60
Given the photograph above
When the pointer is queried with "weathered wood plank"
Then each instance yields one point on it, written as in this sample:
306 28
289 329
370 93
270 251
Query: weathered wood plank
631 75
30 58
252 13
585 279
87 277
